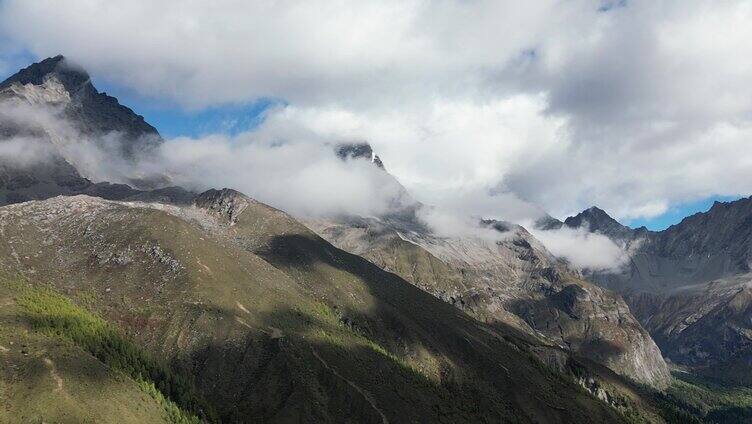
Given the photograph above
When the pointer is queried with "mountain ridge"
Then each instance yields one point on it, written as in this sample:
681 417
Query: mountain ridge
327 307
689 284
59 91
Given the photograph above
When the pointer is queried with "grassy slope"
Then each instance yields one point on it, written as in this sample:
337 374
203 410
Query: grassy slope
319 336
709 401
45 379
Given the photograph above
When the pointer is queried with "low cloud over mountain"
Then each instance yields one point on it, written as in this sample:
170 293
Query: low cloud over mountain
633 106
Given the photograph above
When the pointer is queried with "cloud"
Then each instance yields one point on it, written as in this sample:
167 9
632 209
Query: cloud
422 148
35 132
305 52
24 152
583 249
25 142
284 163
560 104
288 162
301 176
286 166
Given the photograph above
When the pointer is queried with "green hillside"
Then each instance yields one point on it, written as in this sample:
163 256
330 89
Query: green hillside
46 377
250 317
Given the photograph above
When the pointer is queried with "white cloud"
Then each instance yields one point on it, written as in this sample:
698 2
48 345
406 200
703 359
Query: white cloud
36 132
583 249
23 152
300 176
449 154
555 103
306 52
286 166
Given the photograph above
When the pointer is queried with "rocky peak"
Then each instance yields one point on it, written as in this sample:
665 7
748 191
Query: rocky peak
72 77
597 220
348 151
500 226
91 112
547 222
593 215
226 203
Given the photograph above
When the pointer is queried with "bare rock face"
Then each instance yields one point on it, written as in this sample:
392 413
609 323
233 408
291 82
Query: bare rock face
510 281
707 326
358 151
598 325
226 203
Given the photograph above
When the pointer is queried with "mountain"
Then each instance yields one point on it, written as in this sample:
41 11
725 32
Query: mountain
259 318
346 151
505 279
689 285
595 220
123 304
92 112
69 109
402 206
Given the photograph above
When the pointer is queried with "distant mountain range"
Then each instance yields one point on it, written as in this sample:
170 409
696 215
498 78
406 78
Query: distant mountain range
145 302
689 285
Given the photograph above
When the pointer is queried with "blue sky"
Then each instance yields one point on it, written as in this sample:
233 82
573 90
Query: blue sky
173 121
678 212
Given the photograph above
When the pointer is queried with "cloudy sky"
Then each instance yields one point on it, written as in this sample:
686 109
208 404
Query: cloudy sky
643 108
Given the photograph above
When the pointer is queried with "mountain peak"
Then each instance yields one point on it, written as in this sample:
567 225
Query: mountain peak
72 76
226 203
547 222
91 112
593 215
597 220
595 210
360 150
